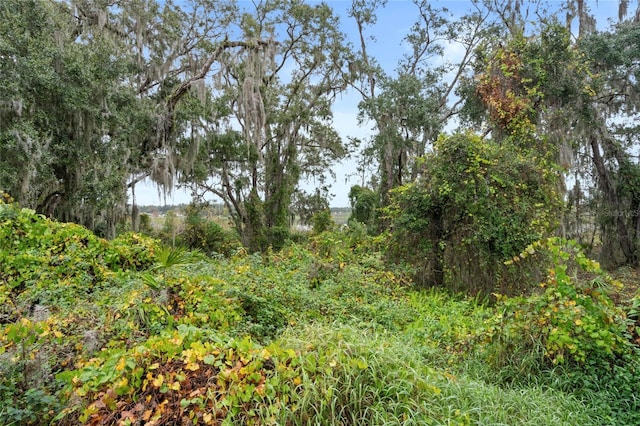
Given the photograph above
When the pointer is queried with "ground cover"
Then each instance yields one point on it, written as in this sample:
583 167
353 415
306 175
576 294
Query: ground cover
322 332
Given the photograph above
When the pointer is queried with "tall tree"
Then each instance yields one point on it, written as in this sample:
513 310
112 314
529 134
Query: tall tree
91 96
280 96
412 107
580 100
608 129
62 97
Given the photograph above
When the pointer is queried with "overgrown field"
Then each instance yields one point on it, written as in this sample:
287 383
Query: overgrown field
323 332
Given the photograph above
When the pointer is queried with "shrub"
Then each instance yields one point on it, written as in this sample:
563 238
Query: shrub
479 204
571 320
202 233
322 221
569 336
364 207
145 224
277 236
56 263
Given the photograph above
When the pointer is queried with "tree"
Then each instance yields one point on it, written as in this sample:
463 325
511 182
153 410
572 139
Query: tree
483 200
92 99
412 108
364 207
608 130
280 94
578 98
305 205
61 95
479 204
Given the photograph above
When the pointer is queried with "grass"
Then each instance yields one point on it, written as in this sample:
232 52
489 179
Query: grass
318 334
376 378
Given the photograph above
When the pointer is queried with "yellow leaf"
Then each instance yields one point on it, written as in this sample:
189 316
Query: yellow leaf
157 382
297 381
147 415
121 364
122 384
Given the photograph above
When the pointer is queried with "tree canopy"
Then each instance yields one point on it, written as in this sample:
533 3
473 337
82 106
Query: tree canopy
236 101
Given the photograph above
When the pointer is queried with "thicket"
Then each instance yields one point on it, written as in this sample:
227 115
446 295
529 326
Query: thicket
480 203
197 229
132 332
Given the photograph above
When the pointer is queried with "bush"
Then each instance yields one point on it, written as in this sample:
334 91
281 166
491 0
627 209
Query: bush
364 207
34 406
145 224
322 221
480 204
277 236
50 269
202 233
571 320
56 263
569 336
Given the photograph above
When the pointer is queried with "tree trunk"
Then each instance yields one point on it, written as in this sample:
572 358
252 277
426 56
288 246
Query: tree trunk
624 238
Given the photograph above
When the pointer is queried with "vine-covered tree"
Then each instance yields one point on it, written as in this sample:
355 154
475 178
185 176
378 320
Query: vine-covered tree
479 204
581 103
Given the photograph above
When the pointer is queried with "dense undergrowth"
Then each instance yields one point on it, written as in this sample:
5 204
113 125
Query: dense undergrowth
323 332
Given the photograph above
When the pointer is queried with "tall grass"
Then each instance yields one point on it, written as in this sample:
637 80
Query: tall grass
368 378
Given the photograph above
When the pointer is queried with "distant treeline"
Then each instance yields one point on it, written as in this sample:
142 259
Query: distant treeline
217 208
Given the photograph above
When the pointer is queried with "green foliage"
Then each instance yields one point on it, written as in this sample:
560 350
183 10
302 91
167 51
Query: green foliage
65 114
355 377
135 251
322 221
202 233
480 204
277 236
171 228
145 224
571 323
572 319
31 407
55 263
317 334
364 207
312 375
611 392
306 205
167 258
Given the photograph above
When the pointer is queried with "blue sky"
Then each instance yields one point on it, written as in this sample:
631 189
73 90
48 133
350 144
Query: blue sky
394 22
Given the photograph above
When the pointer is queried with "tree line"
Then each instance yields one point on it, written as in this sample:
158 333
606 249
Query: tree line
530 131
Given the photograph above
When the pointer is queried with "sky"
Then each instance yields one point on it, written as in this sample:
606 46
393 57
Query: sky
394 22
